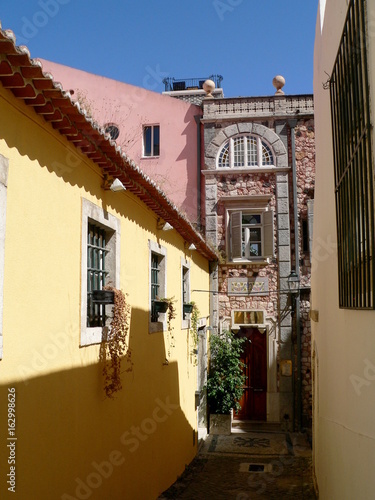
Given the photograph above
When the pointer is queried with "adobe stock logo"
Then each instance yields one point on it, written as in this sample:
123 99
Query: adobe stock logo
40 19
224 6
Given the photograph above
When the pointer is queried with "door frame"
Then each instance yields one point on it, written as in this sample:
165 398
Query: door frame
273 396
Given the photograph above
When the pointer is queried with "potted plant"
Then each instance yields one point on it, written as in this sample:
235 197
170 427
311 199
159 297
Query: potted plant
187 308
166 305
160 306
194 318
103 296
225 380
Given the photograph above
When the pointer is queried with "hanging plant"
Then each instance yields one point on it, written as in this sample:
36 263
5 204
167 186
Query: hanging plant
188 308
115 347
194 318
171 314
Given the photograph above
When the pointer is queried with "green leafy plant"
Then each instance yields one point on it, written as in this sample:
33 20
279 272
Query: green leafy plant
194 318
114 347
171 314
225 378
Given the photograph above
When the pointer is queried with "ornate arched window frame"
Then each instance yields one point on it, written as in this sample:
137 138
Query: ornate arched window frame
257 130
245 151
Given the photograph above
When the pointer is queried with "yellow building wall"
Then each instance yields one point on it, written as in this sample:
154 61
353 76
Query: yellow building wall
72 442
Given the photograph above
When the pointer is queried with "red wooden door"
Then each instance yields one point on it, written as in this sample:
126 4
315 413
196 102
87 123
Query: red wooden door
254 356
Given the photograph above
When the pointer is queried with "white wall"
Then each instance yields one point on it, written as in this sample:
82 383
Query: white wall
343 340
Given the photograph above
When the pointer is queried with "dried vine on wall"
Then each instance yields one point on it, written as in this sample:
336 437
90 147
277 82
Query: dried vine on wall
115 348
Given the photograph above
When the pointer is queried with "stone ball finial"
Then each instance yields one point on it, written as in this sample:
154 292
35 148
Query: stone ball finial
278 82
209 87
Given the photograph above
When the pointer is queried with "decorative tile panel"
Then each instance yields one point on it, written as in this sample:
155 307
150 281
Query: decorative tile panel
248 286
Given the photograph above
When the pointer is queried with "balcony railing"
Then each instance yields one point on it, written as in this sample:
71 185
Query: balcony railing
173 84
234 107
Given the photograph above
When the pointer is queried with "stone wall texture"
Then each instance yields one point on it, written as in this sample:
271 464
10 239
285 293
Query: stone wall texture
305 169
278 187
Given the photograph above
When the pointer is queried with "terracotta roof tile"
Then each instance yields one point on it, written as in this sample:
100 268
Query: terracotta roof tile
25 78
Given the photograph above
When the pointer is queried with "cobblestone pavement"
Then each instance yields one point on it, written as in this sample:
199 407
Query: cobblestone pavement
231 467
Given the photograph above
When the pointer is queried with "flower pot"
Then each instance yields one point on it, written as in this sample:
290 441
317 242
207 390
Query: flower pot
103 296
160 306
188 308
221 424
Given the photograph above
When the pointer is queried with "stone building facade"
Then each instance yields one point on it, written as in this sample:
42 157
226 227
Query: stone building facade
258 170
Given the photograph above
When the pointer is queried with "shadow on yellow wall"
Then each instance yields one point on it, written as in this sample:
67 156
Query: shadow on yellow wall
70 440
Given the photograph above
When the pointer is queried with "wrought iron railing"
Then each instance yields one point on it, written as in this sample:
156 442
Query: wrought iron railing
174 84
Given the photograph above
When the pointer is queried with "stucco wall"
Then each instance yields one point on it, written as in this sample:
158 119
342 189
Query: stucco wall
71 440
130 107
343 340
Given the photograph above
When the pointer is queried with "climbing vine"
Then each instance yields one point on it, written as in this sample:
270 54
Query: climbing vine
171 314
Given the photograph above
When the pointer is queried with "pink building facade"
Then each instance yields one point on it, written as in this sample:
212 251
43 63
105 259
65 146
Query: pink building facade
159 133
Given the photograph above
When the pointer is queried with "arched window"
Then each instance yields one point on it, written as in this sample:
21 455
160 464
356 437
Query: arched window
244 151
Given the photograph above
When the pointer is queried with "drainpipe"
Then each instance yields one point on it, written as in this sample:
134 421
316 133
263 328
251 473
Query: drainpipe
292 125
199 188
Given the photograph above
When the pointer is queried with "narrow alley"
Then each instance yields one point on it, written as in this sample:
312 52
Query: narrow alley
248 464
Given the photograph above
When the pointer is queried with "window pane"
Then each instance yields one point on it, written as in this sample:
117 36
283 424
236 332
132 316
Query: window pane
255 249
252 157
267 158
255 235
243 244
238 317
147 141
238 147
185 276
156 141
224 157
251 219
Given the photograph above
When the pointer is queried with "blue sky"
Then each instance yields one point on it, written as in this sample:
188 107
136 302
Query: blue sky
140 42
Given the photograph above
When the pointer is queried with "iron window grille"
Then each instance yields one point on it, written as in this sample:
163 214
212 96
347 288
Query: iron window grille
185 288
155 284
351 126
96 273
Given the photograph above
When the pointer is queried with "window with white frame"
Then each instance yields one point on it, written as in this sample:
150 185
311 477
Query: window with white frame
158 285
245 151
100 266
151 140
250 235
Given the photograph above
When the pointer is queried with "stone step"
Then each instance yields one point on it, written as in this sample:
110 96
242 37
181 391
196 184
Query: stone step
246 425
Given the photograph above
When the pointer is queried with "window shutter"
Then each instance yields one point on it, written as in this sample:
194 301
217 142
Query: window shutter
236 235
310 219
268 234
